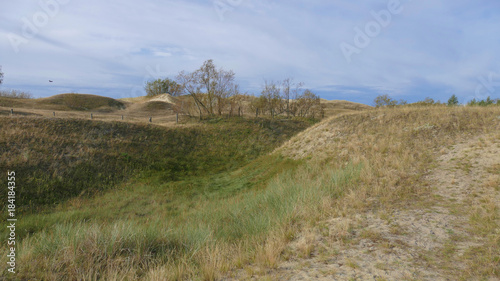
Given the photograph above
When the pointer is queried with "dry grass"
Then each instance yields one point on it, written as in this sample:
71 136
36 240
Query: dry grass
65 102
336 107
132 110
372 160
396 146
211 238
397 149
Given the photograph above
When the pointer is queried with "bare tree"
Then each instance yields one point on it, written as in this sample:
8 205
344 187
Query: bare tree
224 88
210 87
287 84
271 95
206 77
296 93
290 92
191 87
309 105
236 101
259 105
280 97
1 75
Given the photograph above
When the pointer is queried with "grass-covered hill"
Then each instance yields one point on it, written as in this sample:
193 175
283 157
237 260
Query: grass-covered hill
165 102
423 207
83 102
352 196
66 102
152 107
336 107
57 159
162 108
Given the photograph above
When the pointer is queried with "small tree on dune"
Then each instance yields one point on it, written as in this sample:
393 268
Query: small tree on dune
453 101
385 100
162 86
1 75
210 88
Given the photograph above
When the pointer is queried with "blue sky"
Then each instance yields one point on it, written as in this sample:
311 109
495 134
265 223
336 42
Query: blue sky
340 49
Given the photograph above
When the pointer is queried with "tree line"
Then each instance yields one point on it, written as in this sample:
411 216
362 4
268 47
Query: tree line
387 101
287 98
13 93
214 92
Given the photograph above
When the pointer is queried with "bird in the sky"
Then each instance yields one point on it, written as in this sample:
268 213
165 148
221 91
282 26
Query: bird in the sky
50 81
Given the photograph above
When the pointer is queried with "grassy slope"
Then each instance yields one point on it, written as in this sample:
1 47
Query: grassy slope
204 155
371 160
335 107
398 149
57 159
331 107
397 144
66 102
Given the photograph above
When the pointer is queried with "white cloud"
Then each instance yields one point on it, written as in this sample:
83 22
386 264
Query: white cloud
113 46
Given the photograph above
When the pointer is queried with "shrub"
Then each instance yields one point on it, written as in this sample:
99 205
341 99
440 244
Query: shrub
487 102
453 101
385 100
162 86
16 94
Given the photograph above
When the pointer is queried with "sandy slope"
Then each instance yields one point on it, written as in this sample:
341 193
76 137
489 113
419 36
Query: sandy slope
425 242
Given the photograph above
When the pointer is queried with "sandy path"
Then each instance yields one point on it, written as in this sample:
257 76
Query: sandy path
426 242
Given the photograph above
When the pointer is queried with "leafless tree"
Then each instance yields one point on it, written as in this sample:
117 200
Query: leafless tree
271 93
309 105
210 87
259 105
290 92
191 87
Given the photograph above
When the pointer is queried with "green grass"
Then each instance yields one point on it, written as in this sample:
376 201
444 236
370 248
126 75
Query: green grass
13 102
232 205
98 197
150 197
147 223
80 102
59 159
63 102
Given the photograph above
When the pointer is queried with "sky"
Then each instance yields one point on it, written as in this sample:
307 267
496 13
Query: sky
340 49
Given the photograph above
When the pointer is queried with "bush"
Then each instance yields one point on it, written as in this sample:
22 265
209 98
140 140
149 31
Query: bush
16 94
453 101
162 86
487 102
385 100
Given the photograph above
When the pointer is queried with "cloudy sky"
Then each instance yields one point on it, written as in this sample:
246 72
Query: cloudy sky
340 49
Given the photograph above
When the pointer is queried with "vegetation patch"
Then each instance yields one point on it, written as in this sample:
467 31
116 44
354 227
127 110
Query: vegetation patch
225 205
57 159
80 102
151 228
